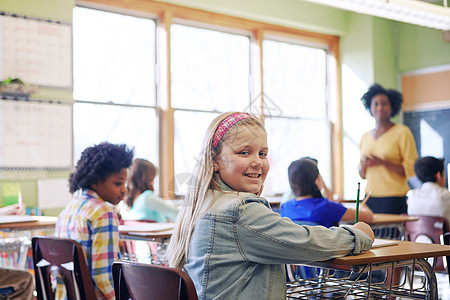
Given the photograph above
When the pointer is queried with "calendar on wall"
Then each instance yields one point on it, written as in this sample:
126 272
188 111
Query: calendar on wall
35 135
37 51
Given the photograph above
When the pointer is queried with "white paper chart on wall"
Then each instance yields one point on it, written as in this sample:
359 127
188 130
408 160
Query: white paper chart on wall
35 135
37 51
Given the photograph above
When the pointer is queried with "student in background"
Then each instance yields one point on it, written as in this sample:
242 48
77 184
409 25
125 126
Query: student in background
309 205
388 153
143 203
100 179
227 238
325 191
432 198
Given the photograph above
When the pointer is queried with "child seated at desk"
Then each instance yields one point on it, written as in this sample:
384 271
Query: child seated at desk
432 198
227 238
309 206
90 218
142 202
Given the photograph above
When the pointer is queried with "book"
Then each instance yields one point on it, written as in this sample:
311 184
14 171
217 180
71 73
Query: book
383 243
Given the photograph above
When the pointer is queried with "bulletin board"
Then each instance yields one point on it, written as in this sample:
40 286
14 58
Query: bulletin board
35 135
39 52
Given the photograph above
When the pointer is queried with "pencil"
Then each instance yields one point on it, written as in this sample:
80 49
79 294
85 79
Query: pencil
357 204
19 199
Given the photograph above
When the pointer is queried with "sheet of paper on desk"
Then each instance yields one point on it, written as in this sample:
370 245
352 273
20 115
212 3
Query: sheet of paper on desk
15 219
149 227
383 243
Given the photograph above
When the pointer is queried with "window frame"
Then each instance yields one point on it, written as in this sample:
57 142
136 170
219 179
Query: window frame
166 14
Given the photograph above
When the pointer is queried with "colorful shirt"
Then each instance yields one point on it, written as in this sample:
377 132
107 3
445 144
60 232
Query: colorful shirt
147 206
93 223
320 211
396 145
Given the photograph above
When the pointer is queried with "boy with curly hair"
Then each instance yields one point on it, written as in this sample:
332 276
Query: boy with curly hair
100 182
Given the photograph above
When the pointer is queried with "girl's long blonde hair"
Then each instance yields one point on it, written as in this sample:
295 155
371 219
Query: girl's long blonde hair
195 203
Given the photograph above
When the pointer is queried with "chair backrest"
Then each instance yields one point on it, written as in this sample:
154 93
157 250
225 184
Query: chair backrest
430 227
64 257
139 281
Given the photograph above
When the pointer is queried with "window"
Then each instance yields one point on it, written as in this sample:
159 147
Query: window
210 73
215 66
114 82
295 86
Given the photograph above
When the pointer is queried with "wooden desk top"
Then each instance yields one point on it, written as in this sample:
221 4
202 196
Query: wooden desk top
401 252
33 223
392 218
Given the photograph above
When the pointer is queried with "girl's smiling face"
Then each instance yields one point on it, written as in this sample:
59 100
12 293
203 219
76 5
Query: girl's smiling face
242 163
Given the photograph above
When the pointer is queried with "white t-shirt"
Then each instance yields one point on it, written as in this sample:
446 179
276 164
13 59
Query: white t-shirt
429 200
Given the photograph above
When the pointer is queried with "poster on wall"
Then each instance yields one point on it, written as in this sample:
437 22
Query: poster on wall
39 52
35 135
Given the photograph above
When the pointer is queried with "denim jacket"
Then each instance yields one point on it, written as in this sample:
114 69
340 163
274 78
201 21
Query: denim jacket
239 247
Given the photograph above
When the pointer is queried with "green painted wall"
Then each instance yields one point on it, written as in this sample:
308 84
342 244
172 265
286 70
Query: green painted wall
60 10
421 47
292 13
384 52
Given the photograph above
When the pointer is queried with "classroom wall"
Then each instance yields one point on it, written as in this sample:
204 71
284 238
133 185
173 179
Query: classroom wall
421 47
292 13
372 50
60 10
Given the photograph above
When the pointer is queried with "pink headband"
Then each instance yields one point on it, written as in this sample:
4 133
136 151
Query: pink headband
226 124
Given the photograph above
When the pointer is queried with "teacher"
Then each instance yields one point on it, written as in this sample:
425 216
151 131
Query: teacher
388 153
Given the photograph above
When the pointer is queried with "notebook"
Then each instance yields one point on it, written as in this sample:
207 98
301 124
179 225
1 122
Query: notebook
383 243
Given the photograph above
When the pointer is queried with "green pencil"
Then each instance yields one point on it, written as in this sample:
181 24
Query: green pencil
357 204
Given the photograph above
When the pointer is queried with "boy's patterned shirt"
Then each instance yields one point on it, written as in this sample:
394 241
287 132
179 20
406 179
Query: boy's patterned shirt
94 223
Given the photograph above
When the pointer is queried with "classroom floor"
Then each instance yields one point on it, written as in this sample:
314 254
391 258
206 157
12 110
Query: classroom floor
443 287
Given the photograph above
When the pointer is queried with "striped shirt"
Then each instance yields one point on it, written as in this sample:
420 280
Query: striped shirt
94 224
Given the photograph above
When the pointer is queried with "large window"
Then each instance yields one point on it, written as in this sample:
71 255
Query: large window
210 73
114 81
158 83
295 88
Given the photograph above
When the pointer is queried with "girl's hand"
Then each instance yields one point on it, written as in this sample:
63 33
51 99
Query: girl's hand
364 227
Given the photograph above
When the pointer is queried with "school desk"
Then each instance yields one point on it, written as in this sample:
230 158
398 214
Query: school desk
15 236
156 235
408 255
11 223
390 220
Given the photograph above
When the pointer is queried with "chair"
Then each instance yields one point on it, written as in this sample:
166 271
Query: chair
139 281
432 228
66 258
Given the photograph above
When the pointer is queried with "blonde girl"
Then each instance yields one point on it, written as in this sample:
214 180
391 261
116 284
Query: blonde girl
227 238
